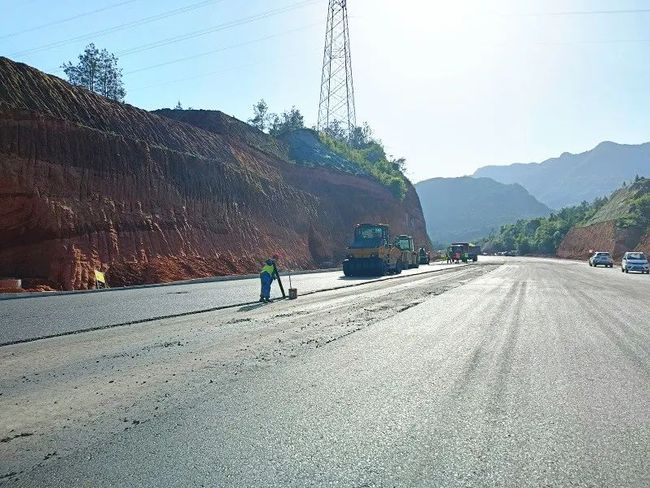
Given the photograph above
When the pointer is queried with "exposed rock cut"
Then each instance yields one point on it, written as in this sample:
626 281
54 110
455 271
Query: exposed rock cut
87 183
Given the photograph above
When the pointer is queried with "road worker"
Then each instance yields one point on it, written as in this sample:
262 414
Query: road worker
267 275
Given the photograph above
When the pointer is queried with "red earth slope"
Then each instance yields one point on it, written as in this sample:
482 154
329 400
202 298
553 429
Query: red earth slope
580 242
620 225
87 183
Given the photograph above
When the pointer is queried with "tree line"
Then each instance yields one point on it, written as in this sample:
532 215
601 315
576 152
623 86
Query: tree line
541 235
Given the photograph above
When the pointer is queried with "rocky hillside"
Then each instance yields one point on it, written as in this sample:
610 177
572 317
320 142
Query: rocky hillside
573 178
88 184
466 209
622 224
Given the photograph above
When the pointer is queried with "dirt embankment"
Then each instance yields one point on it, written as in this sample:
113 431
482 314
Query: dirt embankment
604 236
644 244
92 184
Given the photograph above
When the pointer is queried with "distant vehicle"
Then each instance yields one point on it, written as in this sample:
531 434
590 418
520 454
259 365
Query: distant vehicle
601 259
635 261
468 251
455 253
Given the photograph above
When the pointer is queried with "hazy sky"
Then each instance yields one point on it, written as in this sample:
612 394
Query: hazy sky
450 85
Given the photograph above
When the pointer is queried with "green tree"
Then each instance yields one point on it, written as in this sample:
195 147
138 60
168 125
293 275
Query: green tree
287 121
336 131
178 106
360 136
261 117
97 71
523 245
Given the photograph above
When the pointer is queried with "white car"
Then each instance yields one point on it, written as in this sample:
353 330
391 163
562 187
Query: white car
635 261
601 259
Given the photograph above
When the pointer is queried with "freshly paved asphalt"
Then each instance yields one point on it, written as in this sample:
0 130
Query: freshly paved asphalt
536 374
24 318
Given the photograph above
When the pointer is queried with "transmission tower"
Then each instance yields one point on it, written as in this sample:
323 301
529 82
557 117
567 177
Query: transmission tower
337 89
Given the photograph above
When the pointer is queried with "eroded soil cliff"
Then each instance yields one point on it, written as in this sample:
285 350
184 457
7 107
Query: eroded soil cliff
87 183
621 224
581 242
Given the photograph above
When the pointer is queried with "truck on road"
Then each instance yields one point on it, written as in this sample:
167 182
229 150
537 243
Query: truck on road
468 251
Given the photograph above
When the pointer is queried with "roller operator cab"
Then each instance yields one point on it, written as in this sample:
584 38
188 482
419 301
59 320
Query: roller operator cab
372 253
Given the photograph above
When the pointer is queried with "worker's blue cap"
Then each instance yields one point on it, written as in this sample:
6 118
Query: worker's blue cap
269 262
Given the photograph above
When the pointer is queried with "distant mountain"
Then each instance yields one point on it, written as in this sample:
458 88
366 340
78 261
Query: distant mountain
573 178
465 209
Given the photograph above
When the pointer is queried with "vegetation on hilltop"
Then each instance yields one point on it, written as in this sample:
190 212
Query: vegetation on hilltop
628 206
276 124
369 155
359 146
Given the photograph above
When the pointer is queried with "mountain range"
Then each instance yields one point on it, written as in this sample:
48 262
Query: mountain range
573 178
466 208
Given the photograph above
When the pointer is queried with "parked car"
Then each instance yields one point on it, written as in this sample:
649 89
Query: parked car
601 259
635 261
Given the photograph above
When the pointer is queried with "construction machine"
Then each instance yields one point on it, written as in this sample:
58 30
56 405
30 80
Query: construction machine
409 254
468 251
455 253
372 253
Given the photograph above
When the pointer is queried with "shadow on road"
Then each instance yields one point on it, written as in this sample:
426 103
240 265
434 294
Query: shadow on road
358 278
253 306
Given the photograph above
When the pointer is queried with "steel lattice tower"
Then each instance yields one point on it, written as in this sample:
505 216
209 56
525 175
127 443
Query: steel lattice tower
337 89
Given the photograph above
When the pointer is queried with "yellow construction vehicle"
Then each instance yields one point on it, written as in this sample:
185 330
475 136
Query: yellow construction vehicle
372 253
410 256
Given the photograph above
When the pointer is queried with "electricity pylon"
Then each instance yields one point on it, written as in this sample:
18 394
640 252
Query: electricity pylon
336 105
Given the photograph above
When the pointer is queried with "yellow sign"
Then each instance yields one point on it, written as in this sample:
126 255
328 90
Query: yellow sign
99 276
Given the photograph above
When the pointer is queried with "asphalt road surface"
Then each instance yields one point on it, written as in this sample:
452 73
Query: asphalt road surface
24 318
531 373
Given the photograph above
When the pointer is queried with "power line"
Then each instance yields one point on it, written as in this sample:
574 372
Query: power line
227 25
221 49
68 19
584 12
117 28
593 41
213 73
217 28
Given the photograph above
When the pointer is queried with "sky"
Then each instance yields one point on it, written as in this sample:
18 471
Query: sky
450 86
